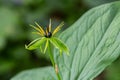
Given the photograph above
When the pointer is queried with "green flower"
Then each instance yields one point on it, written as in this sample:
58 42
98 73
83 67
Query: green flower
47 38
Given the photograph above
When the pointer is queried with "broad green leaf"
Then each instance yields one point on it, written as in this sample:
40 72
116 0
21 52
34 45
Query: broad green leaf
59 44
46 73
93 3
94 43
37 43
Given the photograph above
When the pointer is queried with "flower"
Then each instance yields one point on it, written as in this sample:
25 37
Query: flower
47 37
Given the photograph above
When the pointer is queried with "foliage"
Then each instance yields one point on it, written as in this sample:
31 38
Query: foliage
15 17
93 42
93 3
46 73
7 24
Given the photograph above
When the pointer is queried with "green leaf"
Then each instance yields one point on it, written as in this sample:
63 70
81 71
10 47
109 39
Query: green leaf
94 43
59 44
37 43
46 73
93 3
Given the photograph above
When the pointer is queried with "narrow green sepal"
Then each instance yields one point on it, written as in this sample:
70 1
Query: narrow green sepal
41 49
46 46
35 44
59 44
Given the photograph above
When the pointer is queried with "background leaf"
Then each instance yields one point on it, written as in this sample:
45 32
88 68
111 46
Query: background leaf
113 71
46 73
7 24
94 43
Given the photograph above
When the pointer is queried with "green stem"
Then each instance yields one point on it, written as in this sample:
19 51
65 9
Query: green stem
52 59
58 75
50 54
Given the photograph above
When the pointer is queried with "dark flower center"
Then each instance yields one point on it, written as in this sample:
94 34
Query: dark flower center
49 35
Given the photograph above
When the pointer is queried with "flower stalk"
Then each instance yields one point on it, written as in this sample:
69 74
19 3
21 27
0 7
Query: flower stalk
48 37
53 62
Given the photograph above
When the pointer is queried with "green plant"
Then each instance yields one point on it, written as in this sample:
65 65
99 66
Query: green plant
94 43
48 37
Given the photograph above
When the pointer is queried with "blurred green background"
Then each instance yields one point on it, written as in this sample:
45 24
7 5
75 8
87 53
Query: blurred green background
15 32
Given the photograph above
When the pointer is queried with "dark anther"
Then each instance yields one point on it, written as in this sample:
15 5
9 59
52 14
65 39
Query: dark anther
49 35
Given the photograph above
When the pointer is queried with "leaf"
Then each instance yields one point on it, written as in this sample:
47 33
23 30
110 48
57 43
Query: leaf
93 3
94 43
59 44
35 44
46 73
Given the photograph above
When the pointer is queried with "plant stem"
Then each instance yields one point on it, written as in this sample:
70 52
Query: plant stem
52 59
50 54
